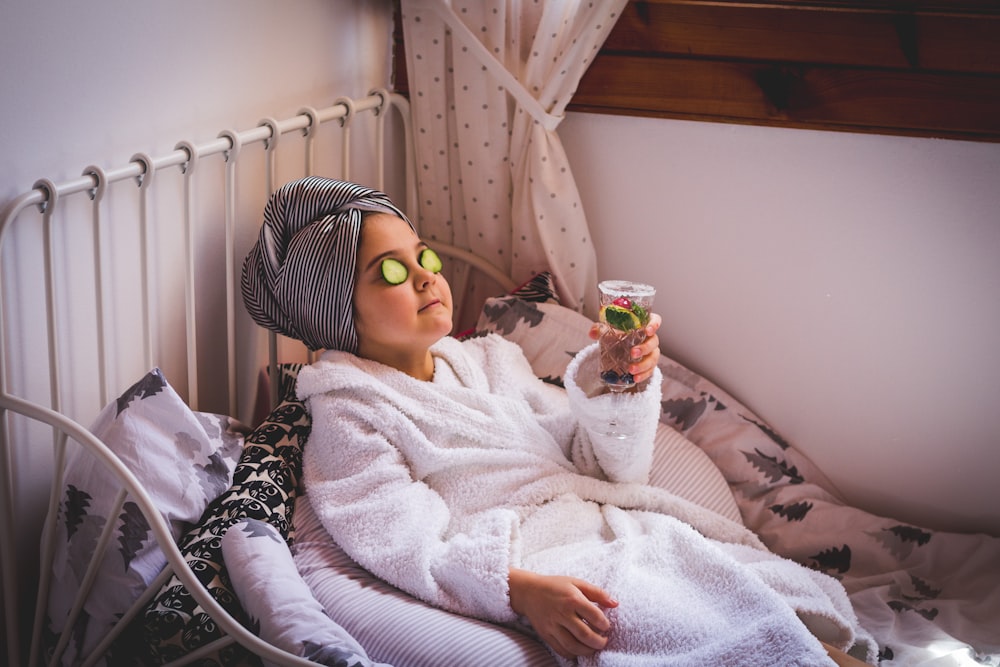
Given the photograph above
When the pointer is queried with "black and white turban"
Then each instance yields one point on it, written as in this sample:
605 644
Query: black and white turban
298 279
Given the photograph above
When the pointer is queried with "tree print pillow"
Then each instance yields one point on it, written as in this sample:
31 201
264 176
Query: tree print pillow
549 334
182 458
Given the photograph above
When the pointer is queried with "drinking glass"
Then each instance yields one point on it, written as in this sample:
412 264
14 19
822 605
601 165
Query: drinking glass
625 307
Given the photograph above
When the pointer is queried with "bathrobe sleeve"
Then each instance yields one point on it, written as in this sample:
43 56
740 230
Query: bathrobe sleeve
397 527
620 459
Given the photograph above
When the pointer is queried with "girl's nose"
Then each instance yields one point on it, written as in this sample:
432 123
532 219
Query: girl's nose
424 278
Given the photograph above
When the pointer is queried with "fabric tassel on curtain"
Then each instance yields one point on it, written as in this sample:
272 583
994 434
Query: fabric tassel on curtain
489 83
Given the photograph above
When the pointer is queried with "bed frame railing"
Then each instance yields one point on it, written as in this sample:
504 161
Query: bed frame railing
23 412
94 182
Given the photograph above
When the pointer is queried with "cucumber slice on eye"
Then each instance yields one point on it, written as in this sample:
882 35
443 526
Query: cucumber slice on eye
430 260
393 271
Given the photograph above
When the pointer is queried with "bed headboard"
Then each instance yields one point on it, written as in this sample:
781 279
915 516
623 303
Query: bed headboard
158 227
126 268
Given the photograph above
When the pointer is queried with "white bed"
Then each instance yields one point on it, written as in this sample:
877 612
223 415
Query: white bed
185 482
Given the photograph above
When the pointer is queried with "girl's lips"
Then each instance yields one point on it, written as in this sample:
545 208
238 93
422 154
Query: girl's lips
428 305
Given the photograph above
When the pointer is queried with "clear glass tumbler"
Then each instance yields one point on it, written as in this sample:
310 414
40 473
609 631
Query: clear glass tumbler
625 308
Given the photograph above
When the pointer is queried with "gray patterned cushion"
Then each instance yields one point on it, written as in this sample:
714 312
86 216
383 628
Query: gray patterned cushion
182 458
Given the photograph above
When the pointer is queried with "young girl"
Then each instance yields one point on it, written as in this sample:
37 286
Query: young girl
450 471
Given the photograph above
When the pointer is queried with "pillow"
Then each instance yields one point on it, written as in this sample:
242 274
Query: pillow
263 487
541 288
182 458
280 605
681 467
549 334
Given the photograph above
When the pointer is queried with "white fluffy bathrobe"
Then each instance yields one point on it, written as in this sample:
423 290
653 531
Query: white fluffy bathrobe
439 488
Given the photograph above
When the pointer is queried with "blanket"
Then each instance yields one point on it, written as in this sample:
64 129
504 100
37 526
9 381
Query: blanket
487 470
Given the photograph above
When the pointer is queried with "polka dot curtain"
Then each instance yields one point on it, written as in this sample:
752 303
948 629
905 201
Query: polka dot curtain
489 83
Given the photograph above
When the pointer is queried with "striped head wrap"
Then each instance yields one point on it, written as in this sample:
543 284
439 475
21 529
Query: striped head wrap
298 278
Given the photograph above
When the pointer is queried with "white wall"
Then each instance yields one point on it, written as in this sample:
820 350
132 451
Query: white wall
845 287
102 78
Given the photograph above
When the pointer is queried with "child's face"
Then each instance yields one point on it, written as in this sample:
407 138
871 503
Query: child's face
398 322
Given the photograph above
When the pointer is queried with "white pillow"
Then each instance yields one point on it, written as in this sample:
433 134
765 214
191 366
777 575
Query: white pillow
277 600
182 458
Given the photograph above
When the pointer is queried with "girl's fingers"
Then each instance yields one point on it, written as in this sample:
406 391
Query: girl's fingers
591 613
645 355
568 646
582 638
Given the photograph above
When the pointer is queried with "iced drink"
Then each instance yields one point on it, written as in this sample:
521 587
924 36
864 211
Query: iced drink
624 315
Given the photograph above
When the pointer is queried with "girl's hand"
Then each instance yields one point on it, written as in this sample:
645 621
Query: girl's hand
565 612
646 354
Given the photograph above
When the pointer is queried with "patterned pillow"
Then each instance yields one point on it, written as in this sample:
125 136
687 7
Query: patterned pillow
549 334
540 289
264 488
182 458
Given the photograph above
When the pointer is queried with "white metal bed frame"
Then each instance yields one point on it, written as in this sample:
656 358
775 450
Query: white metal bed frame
47 196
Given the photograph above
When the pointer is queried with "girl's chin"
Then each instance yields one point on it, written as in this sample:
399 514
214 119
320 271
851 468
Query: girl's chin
434 327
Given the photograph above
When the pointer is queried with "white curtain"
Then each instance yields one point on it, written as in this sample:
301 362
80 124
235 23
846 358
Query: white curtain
489 82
